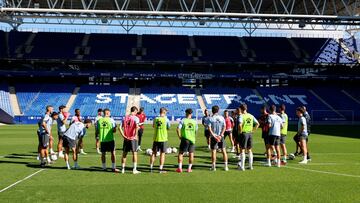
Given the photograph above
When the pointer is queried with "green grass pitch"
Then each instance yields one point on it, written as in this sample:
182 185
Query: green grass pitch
332 176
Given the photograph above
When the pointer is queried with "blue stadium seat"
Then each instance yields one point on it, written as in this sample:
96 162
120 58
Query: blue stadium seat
5 99
33 98
231 98
176 100
92 97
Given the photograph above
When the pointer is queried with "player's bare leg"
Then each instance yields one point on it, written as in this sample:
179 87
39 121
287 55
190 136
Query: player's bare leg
304 150
123 162
191 161
113 160
283 148
225 158
162 161
60 147
135 157
66 158
213 160
180 162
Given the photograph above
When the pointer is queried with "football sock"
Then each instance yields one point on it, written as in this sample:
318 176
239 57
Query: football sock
123 166
104 165
180 165
213 165
251 158
67 164
113 165
76 164
243 160
190 166
161 167
226 164
269 162
151 166
135 166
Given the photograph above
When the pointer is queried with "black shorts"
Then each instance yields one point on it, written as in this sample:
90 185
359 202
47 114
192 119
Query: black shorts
107 146
296 138
43 139
60 135
274 140
69 143
207 133
236 136
140 132
266 140
159 146
97 136
264 134
227 133
283 139
219 145
246 141
186 146
130 145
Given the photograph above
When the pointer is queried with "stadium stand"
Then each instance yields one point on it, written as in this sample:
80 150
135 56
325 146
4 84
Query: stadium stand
111 47
339 101
175 99
17 44
54 45
230 98
5 99
92 97
277 49
294 97
216 48
174 48
310 47
163 49
33 98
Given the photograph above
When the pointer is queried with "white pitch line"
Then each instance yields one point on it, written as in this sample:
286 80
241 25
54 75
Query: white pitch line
19 181
324 172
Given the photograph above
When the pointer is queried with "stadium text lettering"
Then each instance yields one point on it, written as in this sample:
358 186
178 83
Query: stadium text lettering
254 99
169 98
106 98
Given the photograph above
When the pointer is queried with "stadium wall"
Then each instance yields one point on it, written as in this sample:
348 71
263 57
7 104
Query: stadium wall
5 117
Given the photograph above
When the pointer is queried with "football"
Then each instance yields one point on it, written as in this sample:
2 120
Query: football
168 150
174 150
54 157
291 156
148 152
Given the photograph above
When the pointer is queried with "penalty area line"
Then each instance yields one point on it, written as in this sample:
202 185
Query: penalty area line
19 181
323 172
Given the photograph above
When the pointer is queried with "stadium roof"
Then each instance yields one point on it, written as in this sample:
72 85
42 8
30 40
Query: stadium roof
241 14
